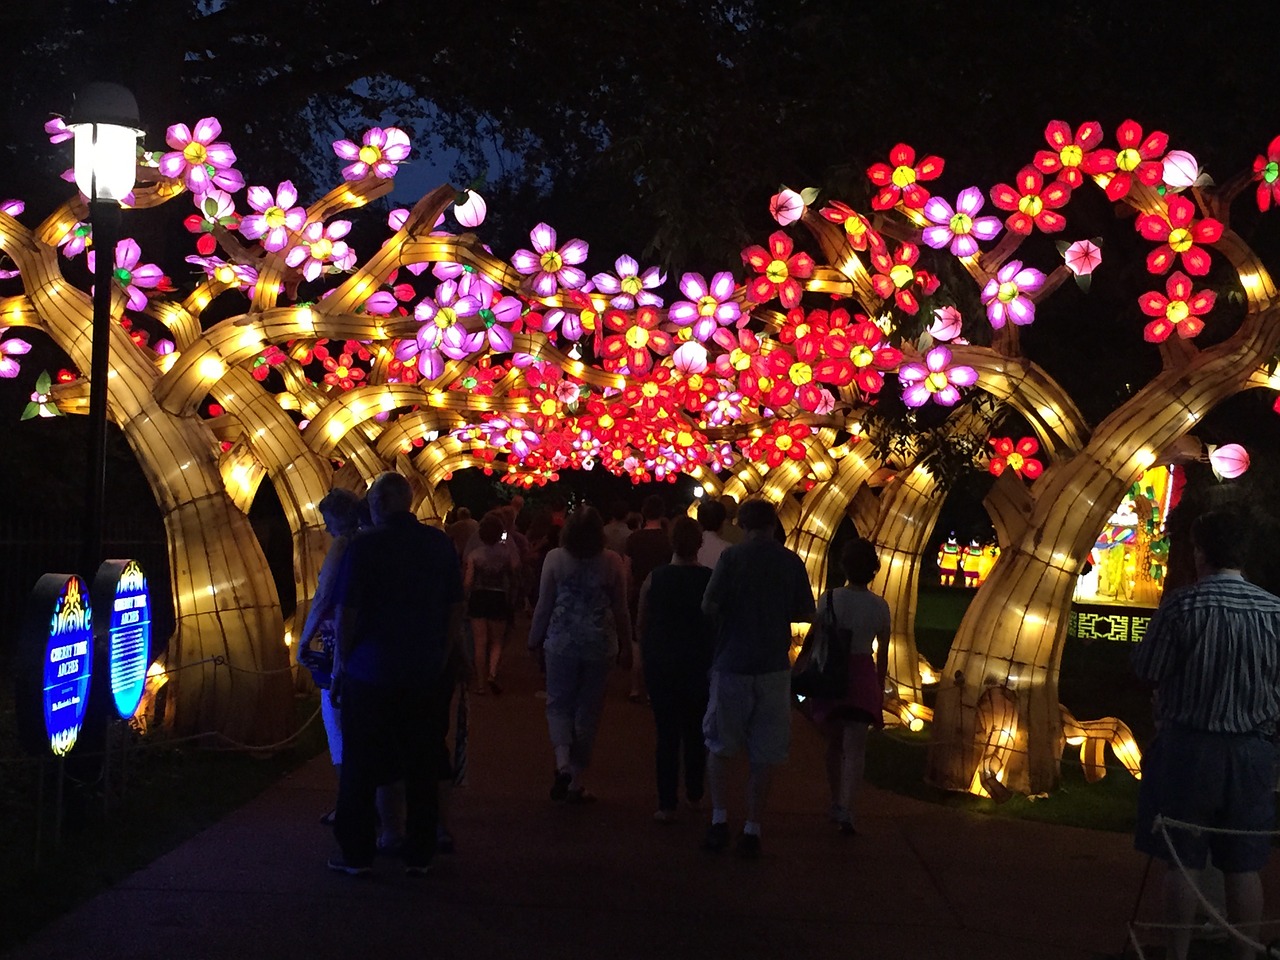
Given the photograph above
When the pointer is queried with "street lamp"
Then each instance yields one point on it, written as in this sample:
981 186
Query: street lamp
105 124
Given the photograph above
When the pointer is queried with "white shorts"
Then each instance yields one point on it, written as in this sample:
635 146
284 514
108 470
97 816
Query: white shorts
751 711
332 727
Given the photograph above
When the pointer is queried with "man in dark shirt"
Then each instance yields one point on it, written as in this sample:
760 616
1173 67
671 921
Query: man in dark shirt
1213 653
757 590
647 548
399 600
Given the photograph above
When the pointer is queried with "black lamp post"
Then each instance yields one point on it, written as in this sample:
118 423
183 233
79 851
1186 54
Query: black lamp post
105 124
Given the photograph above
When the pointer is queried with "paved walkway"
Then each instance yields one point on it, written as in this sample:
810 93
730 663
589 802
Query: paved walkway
536 879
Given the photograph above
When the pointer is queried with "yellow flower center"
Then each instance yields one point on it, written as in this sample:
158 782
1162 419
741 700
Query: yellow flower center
1128 160
862 355
551 261
695 381
341 372
784 442
370 154
275 217
631 285
637 337
707 306
224 274
739 359
512 434
901 275
650 389
684 438
606 421
765 384
800 374
1177 311
1181 240
588 320
1008 292
777 271
446 317
548 407
936 381
855 227
1031 206
322 249
1015 461
684 334
1071 156
903 176
961 224
195 154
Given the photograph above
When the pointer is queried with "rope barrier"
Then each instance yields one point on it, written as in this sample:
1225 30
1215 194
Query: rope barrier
1163 824
218 660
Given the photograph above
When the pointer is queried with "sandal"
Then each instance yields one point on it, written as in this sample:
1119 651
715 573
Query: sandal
560 786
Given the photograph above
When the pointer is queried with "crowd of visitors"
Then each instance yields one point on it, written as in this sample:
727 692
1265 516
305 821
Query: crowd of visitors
699 613
712 602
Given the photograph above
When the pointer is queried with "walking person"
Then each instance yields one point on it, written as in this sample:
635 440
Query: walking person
646 548
675 640
489 581
399 612
861 620
711 517
580 627
757 590
1212 652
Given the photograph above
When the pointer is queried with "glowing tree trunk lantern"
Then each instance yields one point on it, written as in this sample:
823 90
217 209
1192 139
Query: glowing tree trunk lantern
225 601
1012 635
909 508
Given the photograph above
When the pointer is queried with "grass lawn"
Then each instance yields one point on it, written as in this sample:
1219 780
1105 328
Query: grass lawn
1095 681
173 792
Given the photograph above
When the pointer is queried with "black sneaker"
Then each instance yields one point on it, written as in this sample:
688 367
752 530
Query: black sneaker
748 846
560 787
717 838
350 869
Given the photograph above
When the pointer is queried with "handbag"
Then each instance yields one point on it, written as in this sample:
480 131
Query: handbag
320 661
822 668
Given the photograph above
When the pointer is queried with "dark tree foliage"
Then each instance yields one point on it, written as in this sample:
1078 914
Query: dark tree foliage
660 123
661 127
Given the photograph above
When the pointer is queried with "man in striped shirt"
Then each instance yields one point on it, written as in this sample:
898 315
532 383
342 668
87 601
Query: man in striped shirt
1212 652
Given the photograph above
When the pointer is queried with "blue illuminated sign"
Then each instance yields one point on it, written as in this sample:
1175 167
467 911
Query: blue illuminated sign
121 597
68 658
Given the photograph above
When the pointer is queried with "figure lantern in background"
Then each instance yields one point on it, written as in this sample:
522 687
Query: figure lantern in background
949 561
970 563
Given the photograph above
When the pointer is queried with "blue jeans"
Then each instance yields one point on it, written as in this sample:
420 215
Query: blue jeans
575 699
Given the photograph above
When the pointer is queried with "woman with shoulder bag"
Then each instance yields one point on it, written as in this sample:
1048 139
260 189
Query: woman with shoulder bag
341 512
861 619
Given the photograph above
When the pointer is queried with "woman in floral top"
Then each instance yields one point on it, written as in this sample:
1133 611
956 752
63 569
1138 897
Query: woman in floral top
580 627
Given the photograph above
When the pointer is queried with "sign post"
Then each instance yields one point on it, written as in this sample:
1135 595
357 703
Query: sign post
55 668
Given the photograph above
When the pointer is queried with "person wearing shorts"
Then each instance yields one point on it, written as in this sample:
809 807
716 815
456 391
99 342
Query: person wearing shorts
489 576
1212 651
757 590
